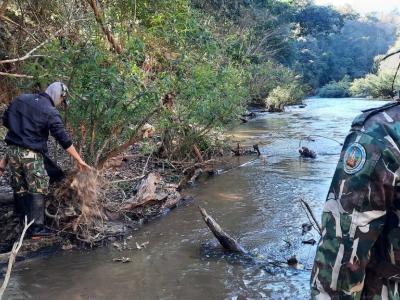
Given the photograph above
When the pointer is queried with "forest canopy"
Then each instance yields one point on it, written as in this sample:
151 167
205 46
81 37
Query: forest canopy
188 67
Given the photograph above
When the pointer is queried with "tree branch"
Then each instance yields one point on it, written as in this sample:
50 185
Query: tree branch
27 55
14 252
390 54
15 75
97 14
133 139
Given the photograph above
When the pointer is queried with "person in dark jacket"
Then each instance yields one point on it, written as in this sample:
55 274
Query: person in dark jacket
29 120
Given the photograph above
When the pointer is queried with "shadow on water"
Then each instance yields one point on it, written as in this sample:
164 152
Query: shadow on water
259 203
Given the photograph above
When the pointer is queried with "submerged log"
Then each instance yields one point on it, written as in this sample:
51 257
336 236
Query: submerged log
226 241
307 153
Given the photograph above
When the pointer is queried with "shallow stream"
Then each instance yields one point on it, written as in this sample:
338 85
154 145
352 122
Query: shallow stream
258 202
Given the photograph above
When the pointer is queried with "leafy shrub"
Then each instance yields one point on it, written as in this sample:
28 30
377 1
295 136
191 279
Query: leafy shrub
375 86
209 97
264 78
282 96
336 89
108 96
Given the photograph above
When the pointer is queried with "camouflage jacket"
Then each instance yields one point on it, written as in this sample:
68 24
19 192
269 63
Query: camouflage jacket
358 256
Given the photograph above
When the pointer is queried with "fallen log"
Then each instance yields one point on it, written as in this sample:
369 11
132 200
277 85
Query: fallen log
226 241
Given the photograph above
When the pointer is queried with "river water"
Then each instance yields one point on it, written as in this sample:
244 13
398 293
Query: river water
257 202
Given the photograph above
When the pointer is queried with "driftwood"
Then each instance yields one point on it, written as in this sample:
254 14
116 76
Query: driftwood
148 193
13 255
147 188
238 151
226 241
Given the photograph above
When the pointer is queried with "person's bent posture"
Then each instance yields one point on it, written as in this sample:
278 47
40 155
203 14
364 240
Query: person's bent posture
29 119
358 256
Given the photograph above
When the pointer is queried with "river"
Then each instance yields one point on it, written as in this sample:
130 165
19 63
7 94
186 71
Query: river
258 202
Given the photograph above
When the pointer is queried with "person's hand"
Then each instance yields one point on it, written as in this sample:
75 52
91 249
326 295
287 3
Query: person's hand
83 166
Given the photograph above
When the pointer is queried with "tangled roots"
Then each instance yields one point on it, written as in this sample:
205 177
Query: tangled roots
76 206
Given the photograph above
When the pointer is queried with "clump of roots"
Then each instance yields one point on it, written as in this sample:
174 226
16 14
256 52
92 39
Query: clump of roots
76 208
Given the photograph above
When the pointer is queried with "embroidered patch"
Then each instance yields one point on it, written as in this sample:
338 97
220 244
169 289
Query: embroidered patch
354 158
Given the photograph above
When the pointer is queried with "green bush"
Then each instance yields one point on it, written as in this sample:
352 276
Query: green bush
375 86
107 96
264 78
282 96
209 97
336 89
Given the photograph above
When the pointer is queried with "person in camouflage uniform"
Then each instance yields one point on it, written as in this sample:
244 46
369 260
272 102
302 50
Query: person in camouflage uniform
29 120
358 256
27 168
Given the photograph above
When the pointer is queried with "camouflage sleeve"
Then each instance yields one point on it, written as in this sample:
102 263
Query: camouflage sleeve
354 214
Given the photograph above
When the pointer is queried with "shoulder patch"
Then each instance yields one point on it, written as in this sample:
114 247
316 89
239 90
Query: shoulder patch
354 158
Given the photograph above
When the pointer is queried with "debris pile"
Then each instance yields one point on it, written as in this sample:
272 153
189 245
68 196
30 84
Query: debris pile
75 206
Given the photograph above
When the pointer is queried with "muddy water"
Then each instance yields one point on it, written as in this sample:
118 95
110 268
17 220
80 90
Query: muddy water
257 202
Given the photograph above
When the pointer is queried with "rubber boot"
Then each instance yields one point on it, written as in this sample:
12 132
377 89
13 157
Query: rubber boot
36 203
19 205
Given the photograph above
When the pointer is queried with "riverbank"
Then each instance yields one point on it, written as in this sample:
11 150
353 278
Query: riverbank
132 190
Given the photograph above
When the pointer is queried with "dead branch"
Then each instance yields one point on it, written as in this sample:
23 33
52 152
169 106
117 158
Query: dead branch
137 136
390 54
146 192
200 165
127 180
147 162
308 208
15 75
29 54
395 76
111 39
226 241
14 252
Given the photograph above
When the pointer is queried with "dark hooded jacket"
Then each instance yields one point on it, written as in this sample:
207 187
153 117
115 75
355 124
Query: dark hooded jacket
30 118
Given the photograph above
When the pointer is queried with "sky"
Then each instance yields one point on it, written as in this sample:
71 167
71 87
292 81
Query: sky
365 6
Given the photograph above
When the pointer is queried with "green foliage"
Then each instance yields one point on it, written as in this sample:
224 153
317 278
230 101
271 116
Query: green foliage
211 57
375 86
282 96
350 52
336 89
168 53
107 95
315 20
208 99
264 78
211 95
